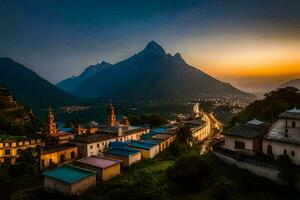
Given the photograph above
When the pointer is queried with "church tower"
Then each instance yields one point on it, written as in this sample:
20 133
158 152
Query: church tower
111 117
50 126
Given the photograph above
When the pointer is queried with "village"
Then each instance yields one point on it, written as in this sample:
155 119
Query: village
76 159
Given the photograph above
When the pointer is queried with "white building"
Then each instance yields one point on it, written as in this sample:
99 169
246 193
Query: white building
200 127
246 138
95 144
284 136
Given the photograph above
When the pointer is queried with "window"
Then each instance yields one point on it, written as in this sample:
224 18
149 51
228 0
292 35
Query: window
293 124
293 153
91 147
269 150
284 151
62 158
50 161
98 145
7 151
19 151
43 163
72 155
239 145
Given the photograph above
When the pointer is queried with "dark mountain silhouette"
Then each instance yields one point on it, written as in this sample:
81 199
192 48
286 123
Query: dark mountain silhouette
153 74
29 88
72 83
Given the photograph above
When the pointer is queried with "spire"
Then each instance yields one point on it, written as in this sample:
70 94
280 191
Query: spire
50 110
111 117
50 125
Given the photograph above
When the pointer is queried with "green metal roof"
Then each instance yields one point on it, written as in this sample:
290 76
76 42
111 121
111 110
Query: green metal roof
68 174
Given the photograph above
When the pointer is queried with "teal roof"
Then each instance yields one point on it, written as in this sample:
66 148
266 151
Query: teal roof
142 145
160 130
68 174
150 134
153 132
122 151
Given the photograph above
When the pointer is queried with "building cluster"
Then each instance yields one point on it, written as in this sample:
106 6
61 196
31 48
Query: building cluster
262 142
76 159
100 152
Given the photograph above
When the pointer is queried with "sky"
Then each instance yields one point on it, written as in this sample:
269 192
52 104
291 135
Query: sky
252 44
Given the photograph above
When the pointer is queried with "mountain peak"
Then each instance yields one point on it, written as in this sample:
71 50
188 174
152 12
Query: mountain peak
155 48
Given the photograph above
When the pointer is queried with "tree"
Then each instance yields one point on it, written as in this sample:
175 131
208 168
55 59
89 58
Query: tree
188 174
287 172
153 120
28 161
184 135
141 184
270 107
177 148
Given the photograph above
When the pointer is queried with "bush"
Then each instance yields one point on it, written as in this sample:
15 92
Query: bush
177 148
222 188
141 184
287 172
188 174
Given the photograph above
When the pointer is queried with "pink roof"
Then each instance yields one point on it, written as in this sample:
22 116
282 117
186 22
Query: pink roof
97 161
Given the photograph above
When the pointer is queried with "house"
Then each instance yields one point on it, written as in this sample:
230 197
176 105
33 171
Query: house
247 137
69 180
161 136
284 136
57 154
106 168
147 150
127 155
200 127
11 147
96 143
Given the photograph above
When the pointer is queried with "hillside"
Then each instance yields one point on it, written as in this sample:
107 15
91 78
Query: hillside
29 88
14 118
70 84
270 107
153 74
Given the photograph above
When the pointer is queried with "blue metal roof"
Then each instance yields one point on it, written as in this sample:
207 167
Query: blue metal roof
122 151
118 144
142 145
150 141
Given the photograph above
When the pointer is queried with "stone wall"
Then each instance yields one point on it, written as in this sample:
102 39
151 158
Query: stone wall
270 173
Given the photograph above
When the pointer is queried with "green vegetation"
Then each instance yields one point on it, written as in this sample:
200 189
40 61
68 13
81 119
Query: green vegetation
14 179
188 174
287 172
184 135
9 126
152 119
268 108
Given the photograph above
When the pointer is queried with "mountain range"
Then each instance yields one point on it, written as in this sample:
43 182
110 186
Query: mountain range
72 83
29 88
292 83
149 75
